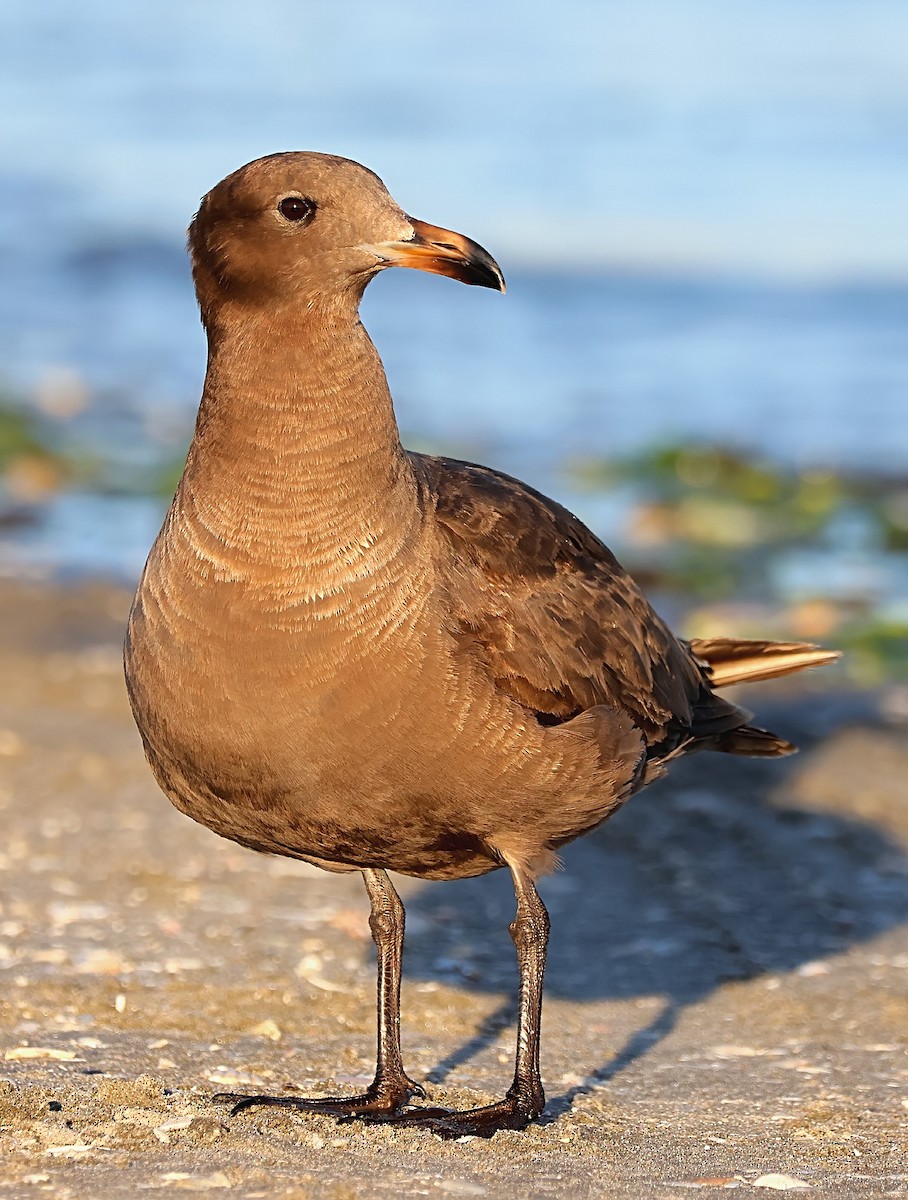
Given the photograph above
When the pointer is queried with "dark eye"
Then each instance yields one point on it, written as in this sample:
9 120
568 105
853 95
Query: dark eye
296 208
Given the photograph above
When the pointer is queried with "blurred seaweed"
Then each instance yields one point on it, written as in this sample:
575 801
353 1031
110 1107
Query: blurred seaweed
31 468
43 451
744 545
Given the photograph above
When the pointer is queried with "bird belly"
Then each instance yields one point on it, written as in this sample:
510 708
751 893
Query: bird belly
337 815
332 766
383 757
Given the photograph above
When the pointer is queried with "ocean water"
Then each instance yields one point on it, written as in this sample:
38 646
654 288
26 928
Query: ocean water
699 207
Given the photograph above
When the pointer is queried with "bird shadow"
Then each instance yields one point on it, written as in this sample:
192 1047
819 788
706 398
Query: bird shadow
715 874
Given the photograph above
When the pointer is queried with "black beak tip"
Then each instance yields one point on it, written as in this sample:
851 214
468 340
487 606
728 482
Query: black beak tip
483 271
491 277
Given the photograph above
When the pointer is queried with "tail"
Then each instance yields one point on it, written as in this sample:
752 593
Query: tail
729 660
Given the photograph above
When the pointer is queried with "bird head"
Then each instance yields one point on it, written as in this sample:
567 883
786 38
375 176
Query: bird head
299 225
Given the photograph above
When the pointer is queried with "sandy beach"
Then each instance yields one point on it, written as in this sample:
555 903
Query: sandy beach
727 999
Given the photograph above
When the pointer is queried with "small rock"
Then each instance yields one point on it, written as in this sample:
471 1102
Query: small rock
21 1052
163 1132
176 966
813 968
732 1051
196 1183
267 1029
714 1181
101 961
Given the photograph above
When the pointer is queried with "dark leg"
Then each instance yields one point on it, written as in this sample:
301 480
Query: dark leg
386 920
391 1088
525 1098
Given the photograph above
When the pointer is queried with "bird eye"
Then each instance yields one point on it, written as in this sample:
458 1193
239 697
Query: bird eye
296 208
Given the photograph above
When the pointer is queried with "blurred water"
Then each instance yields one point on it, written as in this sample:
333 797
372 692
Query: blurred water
699 208
766 136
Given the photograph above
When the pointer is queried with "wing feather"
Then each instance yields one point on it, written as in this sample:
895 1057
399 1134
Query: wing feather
561 623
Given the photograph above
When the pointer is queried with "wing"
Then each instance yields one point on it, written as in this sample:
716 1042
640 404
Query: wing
562 625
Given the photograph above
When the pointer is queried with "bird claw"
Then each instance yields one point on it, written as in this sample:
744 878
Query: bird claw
377 1101
386 1107
450 1124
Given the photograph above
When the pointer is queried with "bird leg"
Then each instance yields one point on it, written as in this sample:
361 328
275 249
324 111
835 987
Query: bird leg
525 1098
391 1088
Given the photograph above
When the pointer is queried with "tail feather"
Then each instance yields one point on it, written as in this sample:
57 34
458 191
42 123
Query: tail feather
730 660
753 742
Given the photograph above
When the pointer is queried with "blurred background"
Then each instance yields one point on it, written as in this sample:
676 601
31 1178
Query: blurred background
699 208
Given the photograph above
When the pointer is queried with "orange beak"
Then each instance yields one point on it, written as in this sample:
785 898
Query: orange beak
443 253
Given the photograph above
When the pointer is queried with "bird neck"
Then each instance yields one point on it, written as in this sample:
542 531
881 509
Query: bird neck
296 456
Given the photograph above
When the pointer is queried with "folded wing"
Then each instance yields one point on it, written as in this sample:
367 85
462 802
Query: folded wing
559 621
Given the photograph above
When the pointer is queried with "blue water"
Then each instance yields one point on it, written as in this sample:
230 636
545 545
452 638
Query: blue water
700 209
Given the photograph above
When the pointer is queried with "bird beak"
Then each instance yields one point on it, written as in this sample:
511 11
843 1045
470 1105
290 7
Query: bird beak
443 253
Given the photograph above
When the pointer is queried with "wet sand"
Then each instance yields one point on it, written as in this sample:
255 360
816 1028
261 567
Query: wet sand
727 998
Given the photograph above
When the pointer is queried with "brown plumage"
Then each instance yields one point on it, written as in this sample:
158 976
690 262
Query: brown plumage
370 659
